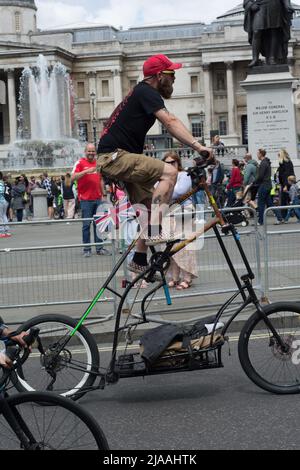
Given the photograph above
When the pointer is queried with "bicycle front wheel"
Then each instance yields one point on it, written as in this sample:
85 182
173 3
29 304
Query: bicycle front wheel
67 370
272 366
50 422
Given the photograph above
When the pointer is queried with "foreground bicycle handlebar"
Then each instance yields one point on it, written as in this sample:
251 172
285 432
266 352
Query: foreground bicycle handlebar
39 420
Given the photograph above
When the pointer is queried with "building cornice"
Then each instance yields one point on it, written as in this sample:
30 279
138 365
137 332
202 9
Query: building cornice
17 3
34 51
232 46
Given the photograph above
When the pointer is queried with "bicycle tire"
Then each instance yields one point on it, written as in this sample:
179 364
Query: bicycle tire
55 422
273 369
72 375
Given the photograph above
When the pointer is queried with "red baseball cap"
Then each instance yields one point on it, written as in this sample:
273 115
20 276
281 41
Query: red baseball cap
158 63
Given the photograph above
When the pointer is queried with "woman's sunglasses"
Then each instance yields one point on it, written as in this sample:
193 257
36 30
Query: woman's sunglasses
172 162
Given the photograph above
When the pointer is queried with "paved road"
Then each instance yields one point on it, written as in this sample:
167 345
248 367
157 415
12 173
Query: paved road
216 409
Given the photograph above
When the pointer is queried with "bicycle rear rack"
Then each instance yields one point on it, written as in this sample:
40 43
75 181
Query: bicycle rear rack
133 365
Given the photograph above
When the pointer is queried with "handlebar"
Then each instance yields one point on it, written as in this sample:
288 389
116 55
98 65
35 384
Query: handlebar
13 350
205 158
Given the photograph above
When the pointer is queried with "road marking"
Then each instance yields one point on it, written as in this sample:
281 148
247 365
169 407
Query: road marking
96 274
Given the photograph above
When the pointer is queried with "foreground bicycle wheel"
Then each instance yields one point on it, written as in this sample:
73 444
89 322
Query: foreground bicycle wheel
265 362
67 372
50 422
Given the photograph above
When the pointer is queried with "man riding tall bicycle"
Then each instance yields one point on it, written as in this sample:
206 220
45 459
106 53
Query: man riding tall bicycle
122 142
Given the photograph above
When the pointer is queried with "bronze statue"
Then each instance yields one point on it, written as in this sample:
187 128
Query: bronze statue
268 24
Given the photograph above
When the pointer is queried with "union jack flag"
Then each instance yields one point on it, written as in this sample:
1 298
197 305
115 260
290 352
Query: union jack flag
114 215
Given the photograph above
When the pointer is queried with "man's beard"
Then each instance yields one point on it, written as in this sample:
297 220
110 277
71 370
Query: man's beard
165 88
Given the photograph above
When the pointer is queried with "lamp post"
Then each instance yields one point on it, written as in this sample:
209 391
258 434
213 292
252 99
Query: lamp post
94 120
202 119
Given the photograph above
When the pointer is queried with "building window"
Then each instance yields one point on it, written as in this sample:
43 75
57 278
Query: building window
220 81
244 120
2 92
105 88
197 125
18 21
80 90
83 132
223 125
194 84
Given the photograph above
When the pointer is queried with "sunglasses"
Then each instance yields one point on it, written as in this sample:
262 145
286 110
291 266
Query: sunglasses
172 162
169 72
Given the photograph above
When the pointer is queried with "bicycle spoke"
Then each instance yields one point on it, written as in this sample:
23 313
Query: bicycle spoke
54 423
264 359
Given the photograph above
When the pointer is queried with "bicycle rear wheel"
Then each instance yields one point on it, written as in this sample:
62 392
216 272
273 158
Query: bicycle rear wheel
265 362
51 422
67 372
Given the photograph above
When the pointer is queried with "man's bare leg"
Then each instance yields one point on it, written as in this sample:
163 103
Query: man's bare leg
161 198
162 194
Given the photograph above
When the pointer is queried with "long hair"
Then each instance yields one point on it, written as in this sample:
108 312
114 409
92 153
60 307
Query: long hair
67 181
174 155
283 156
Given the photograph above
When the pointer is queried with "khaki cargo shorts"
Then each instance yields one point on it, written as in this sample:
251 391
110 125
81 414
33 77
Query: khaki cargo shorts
138 172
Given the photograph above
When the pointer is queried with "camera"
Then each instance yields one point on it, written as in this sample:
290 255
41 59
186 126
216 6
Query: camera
197 174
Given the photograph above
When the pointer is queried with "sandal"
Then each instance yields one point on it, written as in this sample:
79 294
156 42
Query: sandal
184 285
173 283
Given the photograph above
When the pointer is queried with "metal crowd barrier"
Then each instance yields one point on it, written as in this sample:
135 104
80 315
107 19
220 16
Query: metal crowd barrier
39 274
35 273
281 260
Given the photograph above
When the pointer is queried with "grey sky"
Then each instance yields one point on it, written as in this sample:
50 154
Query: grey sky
128 13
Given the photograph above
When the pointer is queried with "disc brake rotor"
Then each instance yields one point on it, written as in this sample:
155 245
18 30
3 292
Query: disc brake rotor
279 353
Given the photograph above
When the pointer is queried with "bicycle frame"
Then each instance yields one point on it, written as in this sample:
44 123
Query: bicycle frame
170 251
15 420
158 265
105 286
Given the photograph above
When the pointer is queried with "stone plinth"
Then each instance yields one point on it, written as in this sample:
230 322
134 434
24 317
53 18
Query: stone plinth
40 208
271 112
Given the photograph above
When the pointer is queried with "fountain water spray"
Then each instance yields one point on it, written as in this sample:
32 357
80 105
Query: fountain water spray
44 119
44 105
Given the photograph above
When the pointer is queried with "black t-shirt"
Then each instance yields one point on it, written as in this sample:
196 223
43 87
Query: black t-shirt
131 120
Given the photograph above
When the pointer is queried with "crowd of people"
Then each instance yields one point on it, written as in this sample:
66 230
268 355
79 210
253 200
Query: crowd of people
226 184
252 181
16 200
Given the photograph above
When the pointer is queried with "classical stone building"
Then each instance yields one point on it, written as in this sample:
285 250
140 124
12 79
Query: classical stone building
106 62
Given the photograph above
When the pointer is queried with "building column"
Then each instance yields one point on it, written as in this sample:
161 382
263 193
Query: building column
118 95
12 105
231 104
208 97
